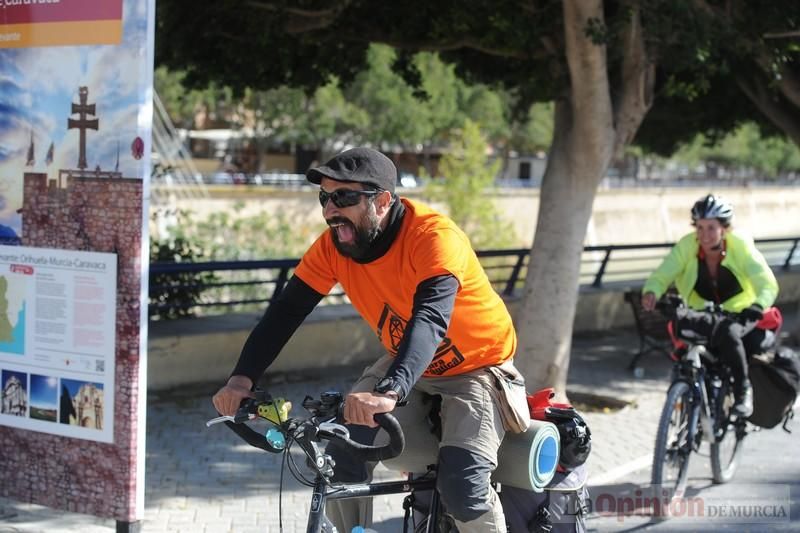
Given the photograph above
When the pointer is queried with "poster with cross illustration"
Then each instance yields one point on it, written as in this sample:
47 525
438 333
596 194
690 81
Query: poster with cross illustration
76 106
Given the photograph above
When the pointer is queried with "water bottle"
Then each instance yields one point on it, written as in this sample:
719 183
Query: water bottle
362 529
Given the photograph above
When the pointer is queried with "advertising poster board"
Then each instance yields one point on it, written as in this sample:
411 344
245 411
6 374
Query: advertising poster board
57 337
76 107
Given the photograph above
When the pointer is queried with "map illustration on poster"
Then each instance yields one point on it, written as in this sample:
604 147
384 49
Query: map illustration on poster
57 311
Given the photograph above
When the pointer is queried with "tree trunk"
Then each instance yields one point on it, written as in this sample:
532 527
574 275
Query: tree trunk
545 317
588 129
780 111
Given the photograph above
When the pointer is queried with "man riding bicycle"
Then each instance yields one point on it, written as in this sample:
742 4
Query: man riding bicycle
714 264
413 276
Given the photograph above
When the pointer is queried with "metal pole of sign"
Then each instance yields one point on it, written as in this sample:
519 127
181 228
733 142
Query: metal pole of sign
129 527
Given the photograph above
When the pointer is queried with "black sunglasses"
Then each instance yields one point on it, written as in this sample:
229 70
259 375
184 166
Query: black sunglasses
343 197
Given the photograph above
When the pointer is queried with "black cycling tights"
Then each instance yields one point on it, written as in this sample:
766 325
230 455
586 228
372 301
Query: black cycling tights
732 342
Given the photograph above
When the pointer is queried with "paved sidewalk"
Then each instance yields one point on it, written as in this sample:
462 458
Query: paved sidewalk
206 480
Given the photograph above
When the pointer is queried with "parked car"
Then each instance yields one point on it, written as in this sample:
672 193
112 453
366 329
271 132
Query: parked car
221 178
405 179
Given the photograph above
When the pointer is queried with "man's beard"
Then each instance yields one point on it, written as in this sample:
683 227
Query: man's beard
365 233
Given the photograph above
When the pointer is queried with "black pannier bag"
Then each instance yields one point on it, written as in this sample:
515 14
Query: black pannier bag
775 377
561 508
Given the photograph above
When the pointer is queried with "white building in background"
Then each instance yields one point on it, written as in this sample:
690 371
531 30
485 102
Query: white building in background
523 170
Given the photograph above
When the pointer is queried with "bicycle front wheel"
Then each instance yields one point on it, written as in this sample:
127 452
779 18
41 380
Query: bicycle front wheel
726 447
673 447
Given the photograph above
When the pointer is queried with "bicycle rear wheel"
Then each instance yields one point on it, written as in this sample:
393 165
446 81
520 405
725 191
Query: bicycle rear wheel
444 524
726 448
671 457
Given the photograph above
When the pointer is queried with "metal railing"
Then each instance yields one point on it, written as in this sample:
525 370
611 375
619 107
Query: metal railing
217 287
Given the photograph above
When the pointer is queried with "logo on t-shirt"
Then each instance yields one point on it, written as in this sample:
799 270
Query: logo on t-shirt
392 325
446 357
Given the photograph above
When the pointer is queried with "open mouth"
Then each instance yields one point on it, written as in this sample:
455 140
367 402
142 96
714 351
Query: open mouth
345 232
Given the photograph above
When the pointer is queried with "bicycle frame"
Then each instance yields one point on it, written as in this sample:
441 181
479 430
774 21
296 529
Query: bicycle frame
323 492
702 380
692 371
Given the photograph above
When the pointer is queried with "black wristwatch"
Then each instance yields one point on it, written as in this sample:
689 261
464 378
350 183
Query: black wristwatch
387 385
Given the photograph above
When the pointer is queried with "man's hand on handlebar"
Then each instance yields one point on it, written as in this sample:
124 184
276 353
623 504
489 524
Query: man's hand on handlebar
361 407
649 301
228 398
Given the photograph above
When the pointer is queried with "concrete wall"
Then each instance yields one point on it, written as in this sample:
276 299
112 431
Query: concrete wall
658 215
205 350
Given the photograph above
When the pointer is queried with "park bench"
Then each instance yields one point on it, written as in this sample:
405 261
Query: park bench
651 328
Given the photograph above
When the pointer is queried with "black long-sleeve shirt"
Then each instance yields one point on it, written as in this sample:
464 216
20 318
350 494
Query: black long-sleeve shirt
433 306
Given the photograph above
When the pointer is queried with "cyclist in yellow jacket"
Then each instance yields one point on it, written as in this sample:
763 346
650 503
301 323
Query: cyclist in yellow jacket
714 264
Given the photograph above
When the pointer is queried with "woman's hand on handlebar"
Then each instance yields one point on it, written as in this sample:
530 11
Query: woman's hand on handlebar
361 407
649 301
228 398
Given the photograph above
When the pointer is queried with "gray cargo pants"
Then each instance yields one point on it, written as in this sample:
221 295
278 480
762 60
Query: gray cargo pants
472 431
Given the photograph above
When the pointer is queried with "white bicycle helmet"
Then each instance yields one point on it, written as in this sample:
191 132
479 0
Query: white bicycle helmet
711 206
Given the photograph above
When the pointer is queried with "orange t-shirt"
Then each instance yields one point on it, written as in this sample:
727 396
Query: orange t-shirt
428 244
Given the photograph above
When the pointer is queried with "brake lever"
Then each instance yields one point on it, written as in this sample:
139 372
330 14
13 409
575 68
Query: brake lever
238 419
218 420
334 429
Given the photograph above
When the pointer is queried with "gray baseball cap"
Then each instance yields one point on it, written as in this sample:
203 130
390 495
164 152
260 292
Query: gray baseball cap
359 165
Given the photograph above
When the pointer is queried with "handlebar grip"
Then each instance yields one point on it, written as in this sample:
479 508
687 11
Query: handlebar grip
252 437
668 305
396 445
245 432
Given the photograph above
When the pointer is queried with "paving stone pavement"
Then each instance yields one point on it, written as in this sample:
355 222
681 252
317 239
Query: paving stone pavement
206 480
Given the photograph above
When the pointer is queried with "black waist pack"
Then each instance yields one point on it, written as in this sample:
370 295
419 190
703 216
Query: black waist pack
775 377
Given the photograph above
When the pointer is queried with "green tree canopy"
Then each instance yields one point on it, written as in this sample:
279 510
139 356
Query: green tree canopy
378 107
602 63
469 174
746 149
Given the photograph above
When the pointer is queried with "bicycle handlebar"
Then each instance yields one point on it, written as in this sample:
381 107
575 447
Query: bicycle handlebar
264 406
396 445
669 304
251 436
672 307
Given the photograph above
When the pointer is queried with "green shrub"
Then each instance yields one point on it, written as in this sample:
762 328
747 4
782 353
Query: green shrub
178 237
466 178
175 295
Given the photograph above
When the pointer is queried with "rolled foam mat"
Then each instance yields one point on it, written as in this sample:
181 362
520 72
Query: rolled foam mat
529 460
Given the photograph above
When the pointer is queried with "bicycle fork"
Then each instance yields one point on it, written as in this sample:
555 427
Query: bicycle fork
704 410
701 419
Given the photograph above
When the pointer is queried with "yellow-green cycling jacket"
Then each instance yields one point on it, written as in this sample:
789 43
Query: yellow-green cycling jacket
742 259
